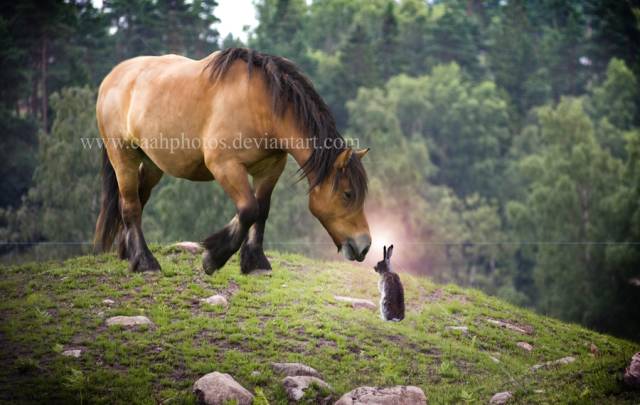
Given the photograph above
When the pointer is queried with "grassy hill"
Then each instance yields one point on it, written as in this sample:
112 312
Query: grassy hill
290 315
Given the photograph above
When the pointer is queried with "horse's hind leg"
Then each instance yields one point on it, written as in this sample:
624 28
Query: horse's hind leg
126 164
148 176
252 255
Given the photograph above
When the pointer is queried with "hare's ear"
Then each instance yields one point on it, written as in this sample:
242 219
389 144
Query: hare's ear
389 252
384 252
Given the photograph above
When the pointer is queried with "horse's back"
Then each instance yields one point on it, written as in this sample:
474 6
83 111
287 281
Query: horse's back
135 86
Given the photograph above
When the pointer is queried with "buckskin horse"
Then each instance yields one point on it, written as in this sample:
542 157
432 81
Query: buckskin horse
205 106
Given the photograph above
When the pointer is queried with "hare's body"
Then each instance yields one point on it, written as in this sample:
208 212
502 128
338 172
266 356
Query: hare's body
391 291
391 297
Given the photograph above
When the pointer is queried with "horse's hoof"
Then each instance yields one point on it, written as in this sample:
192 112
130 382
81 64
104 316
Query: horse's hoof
253 260
144 263
209 263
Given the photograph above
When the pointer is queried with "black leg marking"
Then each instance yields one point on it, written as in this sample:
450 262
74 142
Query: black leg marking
220 246
140 257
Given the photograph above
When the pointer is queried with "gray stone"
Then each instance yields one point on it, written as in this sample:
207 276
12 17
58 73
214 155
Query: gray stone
463 329
525 346
559 362
398 395
295 369
108 301
189 247
632 373
215 300
525 330
501 398
295 386
72 353
219 388
129 321
356 302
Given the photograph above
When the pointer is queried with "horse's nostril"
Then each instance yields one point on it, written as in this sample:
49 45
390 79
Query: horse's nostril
365 251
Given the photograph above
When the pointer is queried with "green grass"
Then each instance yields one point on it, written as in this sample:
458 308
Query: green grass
289 316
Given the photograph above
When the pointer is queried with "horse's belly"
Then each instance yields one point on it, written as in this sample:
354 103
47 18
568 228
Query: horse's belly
180 163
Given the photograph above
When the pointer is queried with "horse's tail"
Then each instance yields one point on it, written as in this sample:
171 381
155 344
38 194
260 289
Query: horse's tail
109 221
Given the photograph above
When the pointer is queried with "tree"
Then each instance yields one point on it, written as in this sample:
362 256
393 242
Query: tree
280 30
388 44
62 205
569 185
455 38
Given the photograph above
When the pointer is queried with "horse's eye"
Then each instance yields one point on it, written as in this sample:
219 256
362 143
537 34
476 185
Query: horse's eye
347 195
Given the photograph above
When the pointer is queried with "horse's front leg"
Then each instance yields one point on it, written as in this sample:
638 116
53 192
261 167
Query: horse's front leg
252 255
220 246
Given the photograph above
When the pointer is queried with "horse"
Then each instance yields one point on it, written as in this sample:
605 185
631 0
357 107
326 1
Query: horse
233 114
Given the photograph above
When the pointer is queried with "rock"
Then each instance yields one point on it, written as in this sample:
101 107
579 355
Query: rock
593 349
356 302
632 373
296 385
261 272
215 300
72 353
559 362
398 395
219 388
526 330
129 321
190 247
295 369
501 398
108 301
494 359
463 329
525 346
255 373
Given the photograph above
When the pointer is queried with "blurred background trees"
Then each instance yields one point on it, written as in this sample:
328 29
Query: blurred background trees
505 136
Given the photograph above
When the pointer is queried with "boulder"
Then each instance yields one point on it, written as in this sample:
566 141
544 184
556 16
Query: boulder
632 373
296 386
356 302
219 388
295 369
129 321
501 398
215 300
398 395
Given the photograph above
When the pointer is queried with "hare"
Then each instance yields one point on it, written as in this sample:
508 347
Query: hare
392 293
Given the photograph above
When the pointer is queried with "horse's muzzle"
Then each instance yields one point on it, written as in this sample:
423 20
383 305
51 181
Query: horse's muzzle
356 248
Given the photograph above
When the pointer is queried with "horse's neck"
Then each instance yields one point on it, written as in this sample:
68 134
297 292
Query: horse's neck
299 145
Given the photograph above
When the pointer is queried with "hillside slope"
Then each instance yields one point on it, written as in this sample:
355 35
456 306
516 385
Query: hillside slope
290 315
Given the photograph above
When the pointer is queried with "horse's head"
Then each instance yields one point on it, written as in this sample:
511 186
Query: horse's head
338 202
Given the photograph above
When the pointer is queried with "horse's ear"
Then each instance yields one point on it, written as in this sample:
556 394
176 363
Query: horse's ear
361 152
389 252
343 158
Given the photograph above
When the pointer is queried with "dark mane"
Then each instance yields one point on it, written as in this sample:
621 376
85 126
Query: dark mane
290 88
